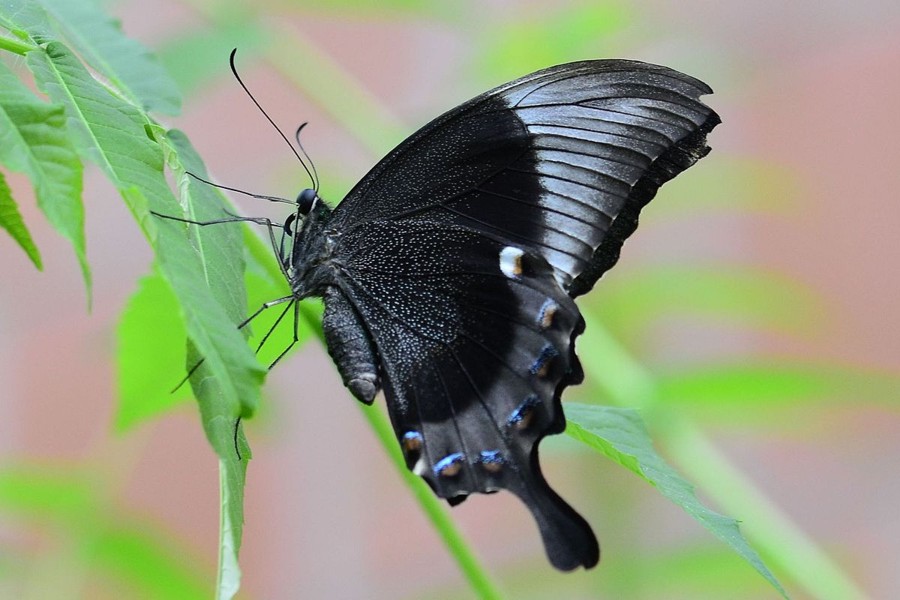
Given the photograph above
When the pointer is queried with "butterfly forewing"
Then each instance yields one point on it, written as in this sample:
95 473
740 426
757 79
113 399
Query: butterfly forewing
457 258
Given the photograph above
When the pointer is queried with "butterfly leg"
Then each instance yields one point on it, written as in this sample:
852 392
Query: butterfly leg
236 219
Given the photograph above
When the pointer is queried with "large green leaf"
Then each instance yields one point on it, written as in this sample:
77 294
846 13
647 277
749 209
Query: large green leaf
127 64
204 269
11 220
114 134
619 433
34 141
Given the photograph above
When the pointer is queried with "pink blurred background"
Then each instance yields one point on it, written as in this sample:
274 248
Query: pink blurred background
811 87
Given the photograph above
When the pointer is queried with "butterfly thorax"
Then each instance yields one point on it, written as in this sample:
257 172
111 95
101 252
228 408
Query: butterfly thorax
312 267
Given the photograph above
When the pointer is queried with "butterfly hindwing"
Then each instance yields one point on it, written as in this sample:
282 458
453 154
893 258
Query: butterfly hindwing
458 256
473 347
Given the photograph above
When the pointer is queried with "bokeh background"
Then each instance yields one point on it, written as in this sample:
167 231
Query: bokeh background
798 204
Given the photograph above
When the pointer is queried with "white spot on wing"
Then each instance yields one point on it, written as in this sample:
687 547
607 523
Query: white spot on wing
547 314
511 261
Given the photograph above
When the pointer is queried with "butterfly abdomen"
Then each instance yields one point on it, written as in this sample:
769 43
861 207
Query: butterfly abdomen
350 346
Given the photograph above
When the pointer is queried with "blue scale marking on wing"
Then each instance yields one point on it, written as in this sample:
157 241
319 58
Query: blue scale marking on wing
467 465
414 331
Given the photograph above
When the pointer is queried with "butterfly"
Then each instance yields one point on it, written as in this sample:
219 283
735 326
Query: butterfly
449 272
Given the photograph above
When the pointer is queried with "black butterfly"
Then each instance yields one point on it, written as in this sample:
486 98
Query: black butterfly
449 272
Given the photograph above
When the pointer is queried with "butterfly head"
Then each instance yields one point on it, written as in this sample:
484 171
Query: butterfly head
306 201
308 264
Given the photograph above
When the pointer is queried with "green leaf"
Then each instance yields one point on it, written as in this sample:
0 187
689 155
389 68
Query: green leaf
26 20
11 220
128 65
113 134
757 389
14 45
34 141
150 353
631 301
619 433
225 277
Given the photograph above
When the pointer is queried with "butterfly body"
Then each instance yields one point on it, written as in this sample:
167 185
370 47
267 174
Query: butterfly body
449 272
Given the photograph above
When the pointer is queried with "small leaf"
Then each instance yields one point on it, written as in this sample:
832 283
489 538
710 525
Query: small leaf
26 19
150 353
34 140
619 433
11 220
126 63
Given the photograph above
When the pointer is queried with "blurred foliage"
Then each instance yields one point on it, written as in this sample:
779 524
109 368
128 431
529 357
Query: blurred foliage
91 540
49 138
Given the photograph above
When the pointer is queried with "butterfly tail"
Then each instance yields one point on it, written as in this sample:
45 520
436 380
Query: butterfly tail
568 539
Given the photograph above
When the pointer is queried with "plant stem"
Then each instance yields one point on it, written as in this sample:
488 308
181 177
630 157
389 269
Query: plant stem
16 46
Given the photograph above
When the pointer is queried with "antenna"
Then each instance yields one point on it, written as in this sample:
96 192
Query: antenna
231 189
306 154
269 119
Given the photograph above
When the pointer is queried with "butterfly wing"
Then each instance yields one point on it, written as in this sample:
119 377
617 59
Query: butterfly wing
460 254
560 161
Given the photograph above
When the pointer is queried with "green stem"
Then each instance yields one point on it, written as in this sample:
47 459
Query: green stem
628 383
16 46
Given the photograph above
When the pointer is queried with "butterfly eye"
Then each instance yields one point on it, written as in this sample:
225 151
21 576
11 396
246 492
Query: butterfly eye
306 200
288 222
